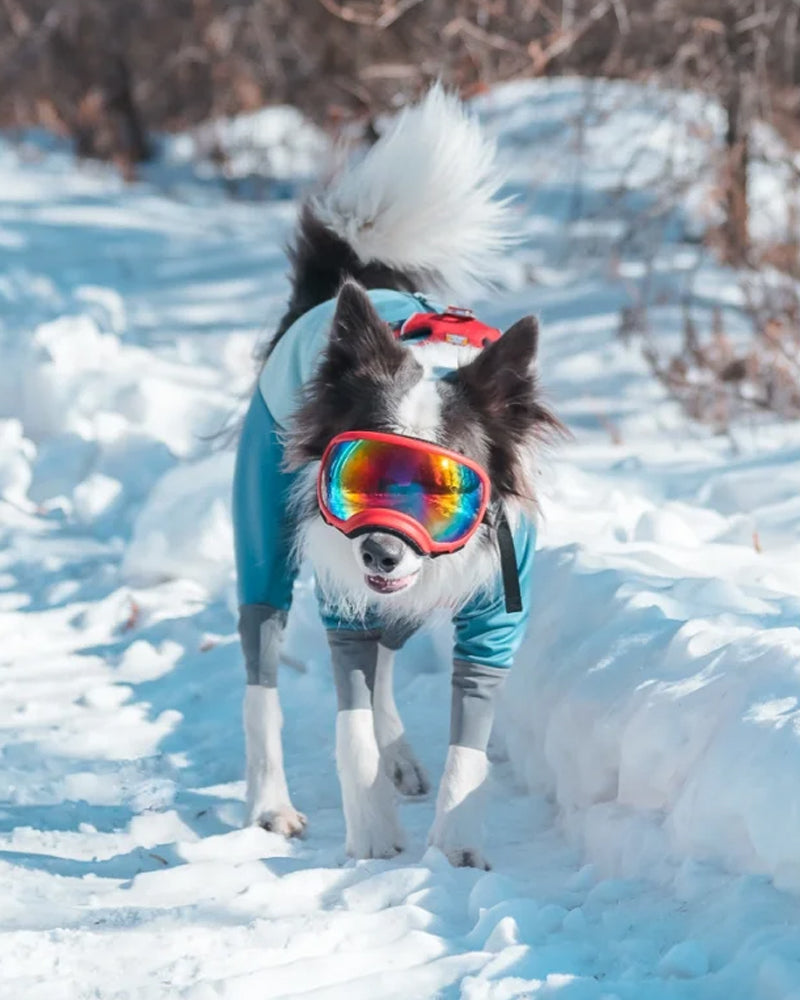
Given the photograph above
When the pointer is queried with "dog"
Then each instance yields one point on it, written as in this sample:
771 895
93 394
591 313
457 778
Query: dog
365 379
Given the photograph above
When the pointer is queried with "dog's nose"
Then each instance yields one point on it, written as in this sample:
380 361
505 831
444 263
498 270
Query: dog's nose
382 553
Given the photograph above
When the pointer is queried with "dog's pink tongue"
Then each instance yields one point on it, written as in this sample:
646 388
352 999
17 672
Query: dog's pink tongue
384 585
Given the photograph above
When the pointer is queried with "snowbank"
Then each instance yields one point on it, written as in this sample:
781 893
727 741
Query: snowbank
665 723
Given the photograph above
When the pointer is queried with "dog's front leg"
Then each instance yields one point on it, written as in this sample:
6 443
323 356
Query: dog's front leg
268 803
370 816
458 825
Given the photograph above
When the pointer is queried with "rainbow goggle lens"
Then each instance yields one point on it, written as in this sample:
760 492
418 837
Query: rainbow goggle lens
432 497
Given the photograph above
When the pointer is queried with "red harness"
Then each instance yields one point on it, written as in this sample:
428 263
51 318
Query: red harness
455 326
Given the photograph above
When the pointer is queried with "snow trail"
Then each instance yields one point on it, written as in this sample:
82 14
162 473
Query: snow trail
644 800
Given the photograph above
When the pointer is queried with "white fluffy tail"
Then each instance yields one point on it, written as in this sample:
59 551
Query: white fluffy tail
423 199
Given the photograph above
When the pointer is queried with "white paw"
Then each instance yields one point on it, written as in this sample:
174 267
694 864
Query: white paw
406 772
286 821
380 836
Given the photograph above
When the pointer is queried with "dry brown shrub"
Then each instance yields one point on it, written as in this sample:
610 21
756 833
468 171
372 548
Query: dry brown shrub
717 378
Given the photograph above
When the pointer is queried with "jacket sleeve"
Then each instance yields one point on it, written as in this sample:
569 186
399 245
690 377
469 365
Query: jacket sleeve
262 525
487 634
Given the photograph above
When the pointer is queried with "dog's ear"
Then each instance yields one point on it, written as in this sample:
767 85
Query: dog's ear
361 371
502 378
521 341
360 341
500 387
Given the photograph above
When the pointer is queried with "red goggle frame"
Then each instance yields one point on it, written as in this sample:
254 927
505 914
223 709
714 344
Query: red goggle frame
432 497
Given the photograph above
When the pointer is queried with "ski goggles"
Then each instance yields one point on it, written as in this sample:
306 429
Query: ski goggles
433 498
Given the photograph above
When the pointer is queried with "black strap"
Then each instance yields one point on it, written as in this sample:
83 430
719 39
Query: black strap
508 561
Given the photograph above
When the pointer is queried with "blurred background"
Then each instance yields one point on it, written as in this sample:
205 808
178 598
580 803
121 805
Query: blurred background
112 74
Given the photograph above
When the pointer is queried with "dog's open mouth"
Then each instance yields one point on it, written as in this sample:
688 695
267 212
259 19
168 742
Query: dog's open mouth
390 585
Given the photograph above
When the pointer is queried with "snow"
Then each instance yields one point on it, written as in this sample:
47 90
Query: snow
644 815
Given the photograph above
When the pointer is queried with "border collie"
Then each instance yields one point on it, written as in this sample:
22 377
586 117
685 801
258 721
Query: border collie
364 363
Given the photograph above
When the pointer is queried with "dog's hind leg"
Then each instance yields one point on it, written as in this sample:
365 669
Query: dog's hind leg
398 758
370 815
268 802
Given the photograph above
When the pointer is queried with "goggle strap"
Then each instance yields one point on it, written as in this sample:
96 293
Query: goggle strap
508 561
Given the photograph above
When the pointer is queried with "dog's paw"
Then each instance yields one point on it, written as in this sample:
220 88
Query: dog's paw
467 857
286 821
382 851
407 774
364 848
379 837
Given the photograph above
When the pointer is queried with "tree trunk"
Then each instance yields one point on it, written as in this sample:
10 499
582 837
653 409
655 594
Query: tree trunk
737 106
736 228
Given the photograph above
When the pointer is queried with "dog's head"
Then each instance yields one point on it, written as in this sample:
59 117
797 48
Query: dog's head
482 404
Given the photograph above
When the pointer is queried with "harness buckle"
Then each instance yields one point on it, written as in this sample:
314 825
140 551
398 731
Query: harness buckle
457 325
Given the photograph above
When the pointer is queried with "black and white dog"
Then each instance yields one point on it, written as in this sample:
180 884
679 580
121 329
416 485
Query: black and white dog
418 212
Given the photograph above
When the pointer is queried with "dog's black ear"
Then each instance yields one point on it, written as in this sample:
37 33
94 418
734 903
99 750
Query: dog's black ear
521 341
360 340
356 385
502 379
500 387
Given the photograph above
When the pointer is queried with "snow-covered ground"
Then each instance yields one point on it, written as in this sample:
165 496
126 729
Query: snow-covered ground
645 819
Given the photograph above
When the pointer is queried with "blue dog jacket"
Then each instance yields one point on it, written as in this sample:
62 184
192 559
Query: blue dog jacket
486 635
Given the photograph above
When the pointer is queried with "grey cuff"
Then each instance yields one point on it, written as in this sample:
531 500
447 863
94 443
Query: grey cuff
472 706
354 654
395 635
261 631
